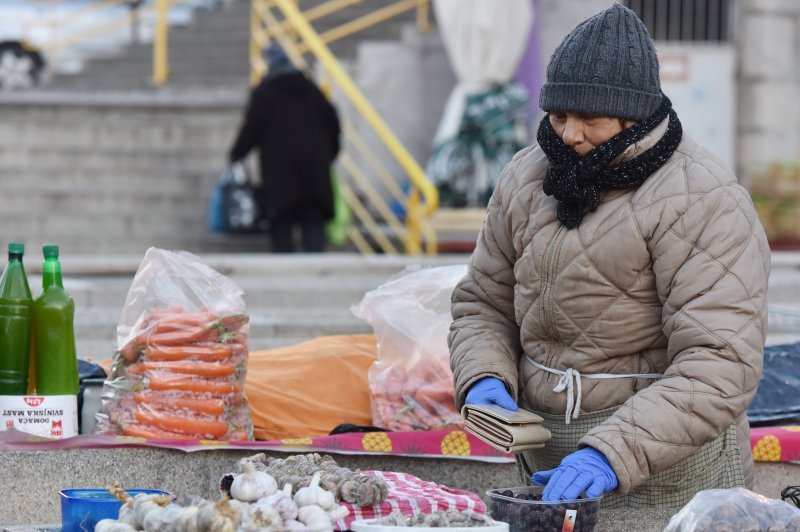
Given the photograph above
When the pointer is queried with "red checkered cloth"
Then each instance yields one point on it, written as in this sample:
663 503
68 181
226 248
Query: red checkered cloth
411 496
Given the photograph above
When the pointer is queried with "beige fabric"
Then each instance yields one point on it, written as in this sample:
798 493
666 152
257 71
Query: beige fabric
715 465
668 278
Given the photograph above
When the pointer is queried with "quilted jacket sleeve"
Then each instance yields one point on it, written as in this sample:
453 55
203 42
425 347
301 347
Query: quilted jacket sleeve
711 264
484 337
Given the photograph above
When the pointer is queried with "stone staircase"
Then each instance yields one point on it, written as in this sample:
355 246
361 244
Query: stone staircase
103 163
109 174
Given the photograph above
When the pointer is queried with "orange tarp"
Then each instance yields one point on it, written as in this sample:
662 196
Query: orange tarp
307 389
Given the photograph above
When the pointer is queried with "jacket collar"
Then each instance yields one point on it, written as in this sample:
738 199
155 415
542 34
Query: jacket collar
644 144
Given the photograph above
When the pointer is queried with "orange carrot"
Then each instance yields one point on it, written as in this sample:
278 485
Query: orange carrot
151 433
180 322
212 407
233 322
194 426
184 336
207 353
129 352
162 383
185 367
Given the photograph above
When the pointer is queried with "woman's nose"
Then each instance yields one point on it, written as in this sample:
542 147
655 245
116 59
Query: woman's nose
573 132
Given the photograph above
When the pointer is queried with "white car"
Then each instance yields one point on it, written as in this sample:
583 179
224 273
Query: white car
42 37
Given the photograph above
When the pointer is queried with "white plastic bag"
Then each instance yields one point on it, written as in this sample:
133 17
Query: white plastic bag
734 510
411 383
181 360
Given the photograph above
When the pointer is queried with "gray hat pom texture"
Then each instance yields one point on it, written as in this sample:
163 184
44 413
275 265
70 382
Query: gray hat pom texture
606 66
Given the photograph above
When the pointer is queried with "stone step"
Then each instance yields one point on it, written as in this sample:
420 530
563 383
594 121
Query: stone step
196 241
120 181
166 137
195 160
175 202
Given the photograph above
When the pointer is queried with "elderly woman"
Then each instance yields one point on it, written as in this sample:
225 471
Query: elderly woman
618 287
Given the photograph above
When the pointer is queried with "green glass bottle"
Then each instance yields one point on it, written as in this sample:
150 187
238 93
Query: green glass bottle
54 335
15 324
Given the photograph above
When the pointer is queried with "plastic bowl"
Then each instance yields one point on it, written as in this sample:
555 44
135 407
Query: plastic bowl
83 508
512 506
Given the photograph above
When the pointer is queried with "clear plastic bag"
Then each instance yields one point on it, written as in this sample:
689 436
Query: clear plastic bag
735 510
411 383
181 360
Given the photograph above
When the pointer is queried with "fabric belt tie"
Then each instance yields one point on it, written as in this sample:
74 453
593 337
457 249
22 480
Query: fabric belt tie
571 381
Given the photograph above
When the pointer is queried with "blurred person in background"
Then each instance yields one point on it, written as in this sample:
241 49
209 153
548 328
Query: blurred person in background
296 131
618 287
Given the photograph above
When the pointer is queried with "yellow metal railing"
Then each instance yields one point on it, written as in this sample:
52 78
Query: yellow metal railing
368 186
161 43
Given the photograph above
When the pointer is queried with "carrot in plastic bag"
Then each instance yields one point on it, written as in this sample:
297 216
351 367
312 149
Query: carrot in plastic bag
212 407
190 425
151 433
208 353
181 322
161 382
184 336
184 367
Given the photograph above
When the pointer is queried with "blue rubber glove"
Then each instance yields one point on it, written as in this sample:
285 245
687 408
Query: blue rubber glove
490 390
586 469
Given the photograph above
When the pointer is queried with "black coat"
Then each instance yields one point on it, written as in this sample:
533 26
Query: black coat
296 131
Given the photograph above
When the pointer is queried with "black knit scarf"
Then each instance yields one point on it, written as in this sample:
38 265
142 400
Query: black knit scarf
577 181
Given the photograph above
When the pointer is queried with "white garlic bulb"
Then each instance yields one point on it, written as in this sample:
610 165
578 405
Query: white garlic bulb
251 485
315 518
313 494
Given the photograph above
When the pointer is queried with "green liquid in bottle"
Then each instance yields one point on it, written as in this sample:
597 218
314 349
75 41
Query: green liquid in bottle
54 335
15 324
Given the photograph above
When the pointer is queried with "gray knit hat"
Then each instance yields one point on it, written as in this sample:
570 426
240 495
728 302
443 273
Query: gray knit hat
607 66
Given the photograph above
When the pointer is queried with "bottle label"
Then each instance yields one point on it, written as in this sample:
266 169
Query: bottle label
48 416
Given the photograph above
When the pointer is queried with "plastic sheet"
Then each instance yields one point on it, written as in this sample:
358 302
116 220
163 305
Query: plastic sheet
411 383
777 399
734 510
181 363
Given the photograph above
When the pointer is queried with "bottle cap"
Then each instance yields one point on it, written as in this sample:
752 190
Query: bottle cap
16 248
50 251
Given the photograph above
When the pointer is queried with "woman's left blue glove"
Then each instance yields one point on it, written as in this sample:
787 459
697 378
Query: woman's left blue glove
586 469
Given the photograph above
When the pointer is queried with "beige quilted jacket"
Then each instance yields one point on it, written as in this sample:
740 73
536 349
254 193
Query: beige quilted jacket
668 278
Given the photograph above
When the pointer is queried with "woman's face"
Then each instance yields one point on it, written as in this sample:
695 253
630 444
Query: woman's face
583 131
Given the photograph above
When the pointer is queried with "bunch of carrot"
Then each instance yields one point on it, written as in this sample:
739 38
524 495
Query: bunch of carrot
181 376
412 398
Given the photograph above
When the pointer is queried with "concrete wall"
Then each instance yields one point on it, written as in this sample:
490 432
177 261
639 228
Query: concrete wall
768 41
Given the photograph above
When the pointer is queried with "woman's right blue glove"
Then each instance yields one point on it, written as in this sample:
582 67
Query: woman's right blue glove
490 390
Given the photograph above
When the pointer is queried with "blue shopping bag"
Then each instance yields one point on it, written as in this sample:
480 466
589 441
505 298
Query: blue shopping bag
233 205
